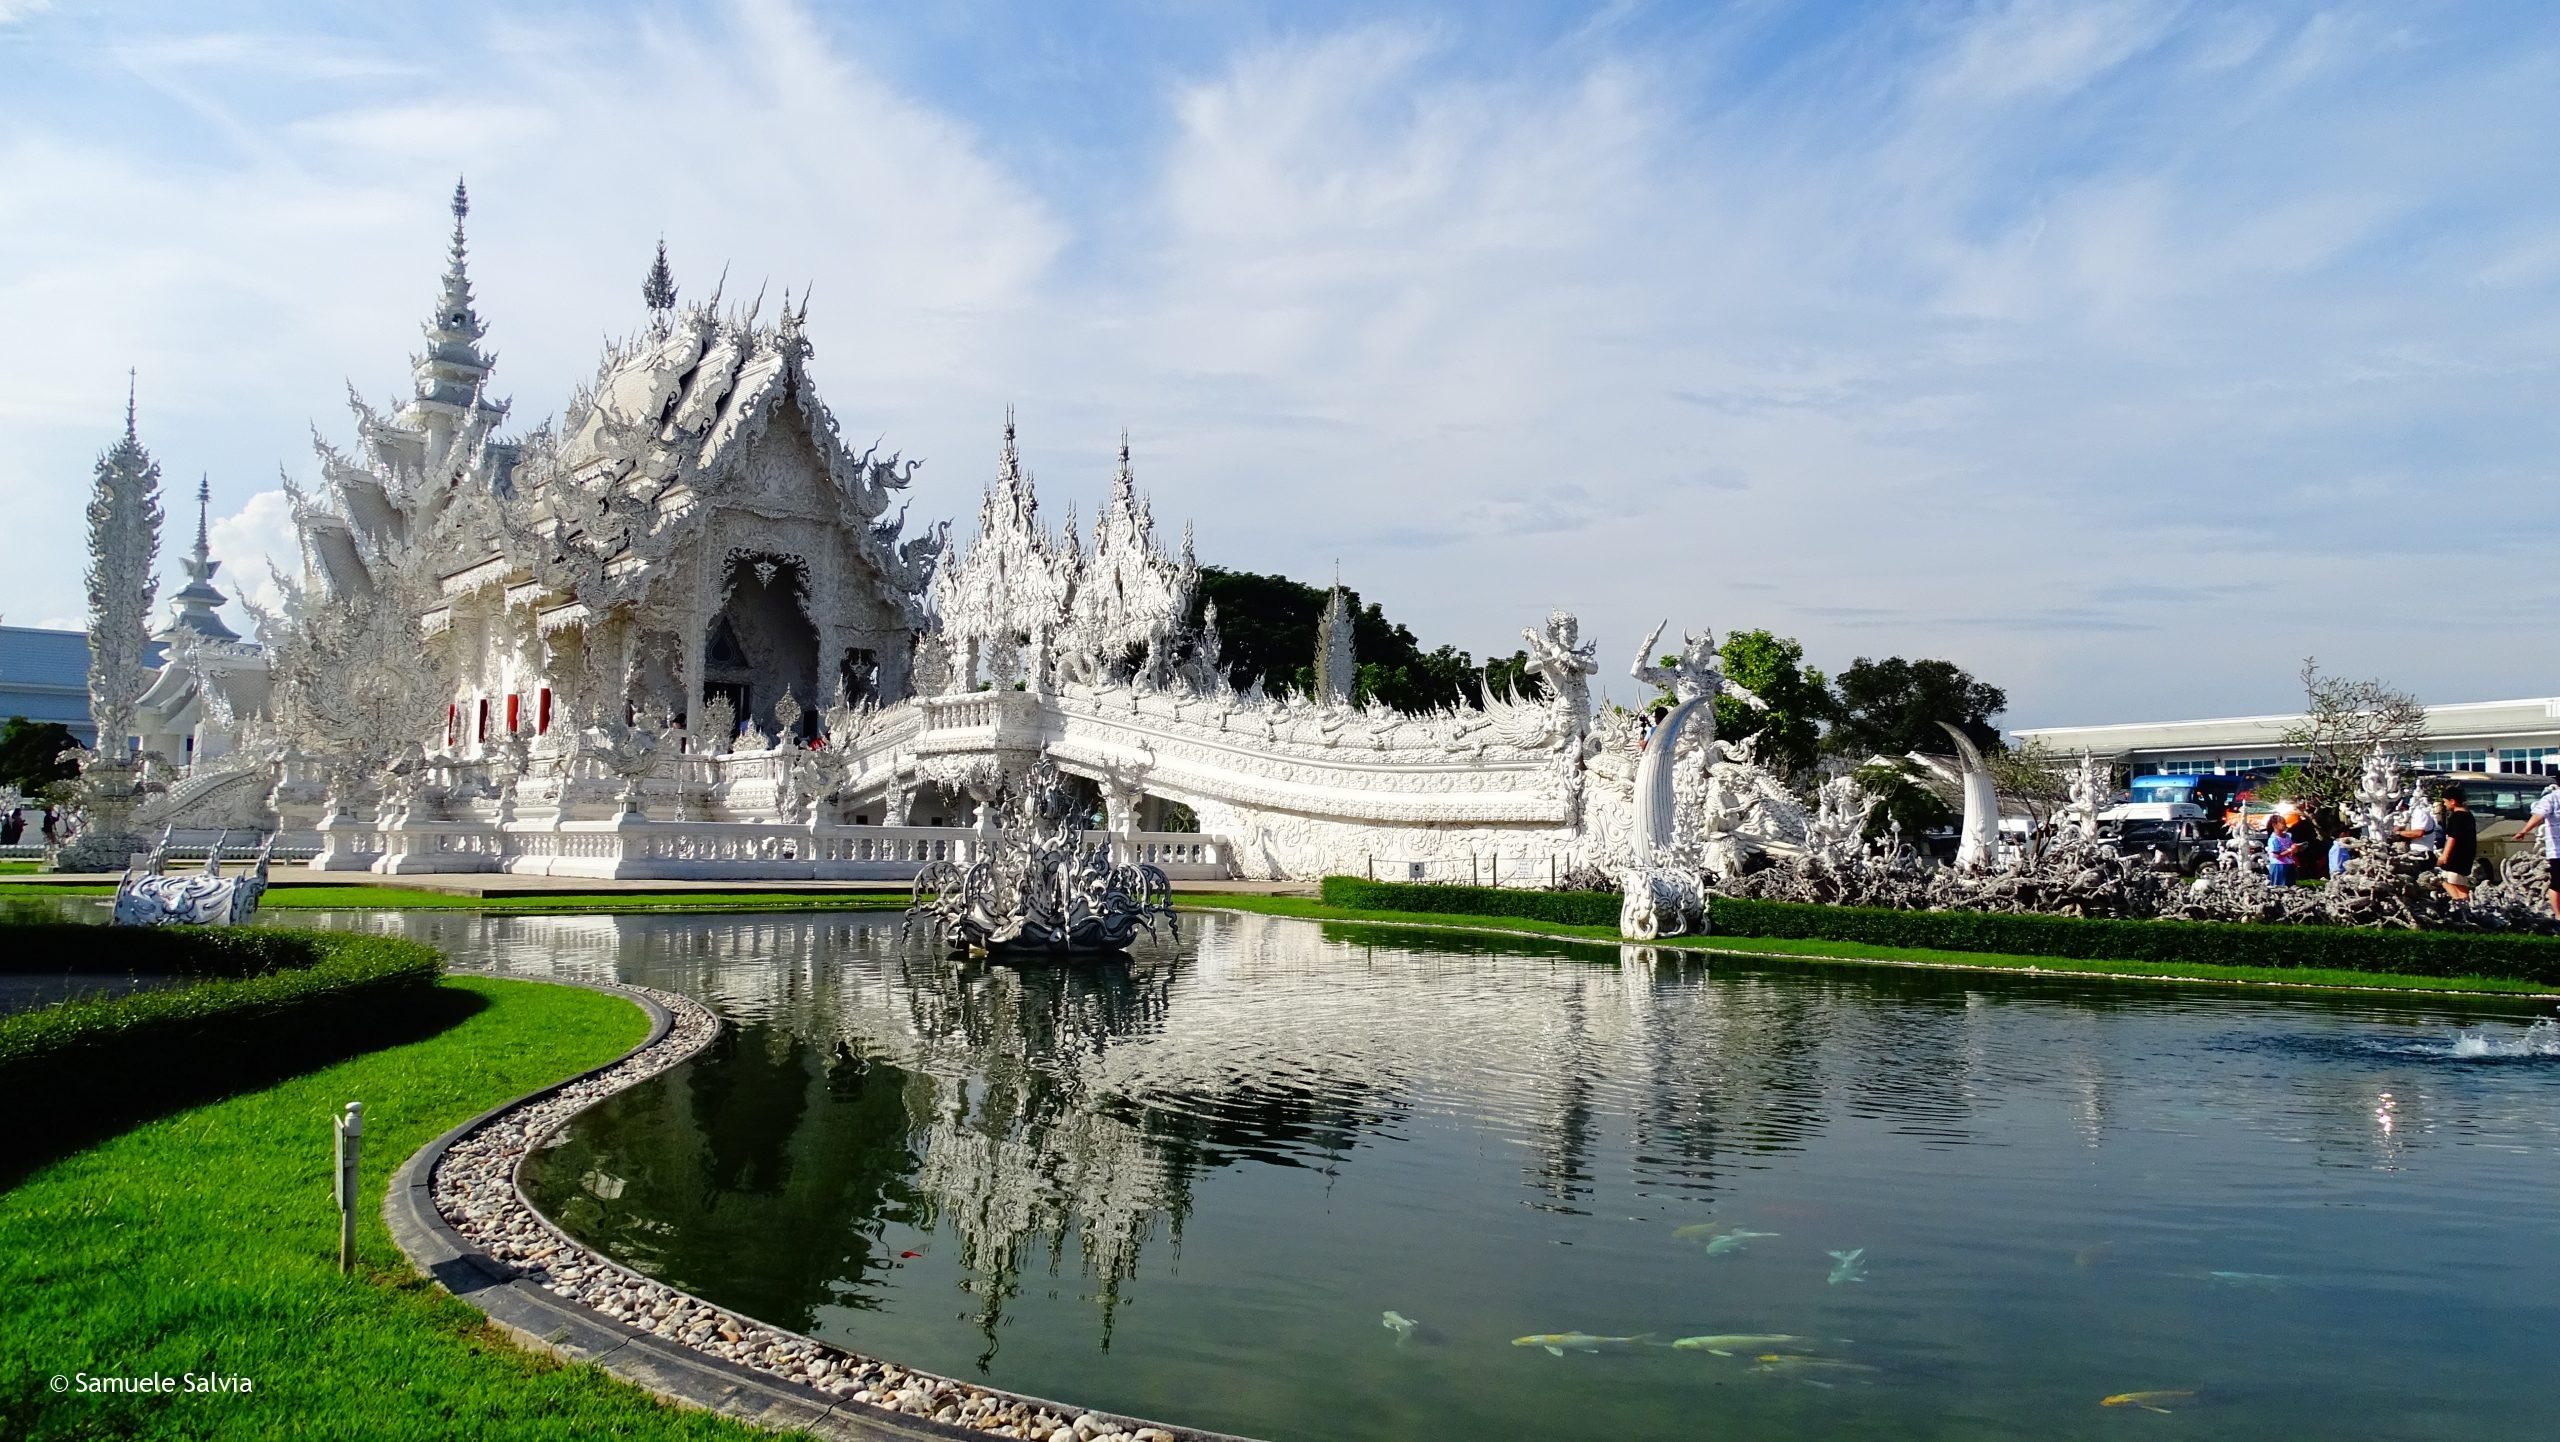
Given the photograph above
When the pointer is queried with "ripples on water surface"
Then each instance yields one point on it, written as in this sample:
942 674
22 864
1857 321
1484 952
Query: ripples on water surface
1192 1185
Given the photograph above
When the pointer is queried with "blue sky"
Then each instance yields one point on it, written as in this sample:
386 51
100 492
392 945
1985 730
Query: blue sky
2124 353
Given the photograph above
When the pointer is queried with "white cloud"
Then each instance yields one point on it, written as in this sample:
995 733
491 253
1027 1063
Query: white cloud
253 544
2045 48
2005 338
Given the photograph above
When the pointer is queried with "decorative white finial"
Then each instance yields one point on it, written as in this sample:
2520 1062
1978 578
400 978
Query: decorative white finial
658 288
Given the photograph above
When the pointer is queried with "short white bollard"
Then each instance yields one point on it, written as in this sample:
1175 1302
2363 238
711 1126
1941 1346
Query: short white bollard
350 1130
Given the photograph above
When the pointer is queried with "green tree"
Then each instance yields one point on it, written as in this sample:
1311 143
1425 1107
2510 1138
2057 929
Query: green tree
1266 624
1799 701
1900 797
1267 631
31 754
2033 775
1512 674
1892 707
2344 723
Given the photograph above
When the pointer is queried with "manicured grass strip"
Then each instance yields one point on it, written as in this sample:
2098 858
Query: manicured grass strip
1860 953
17 868
2275 946
205 1243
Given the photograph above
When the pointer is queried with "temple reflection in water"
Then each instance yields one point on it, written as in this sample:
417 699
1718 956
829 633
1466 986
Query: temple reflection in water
1183 1184
1049 1124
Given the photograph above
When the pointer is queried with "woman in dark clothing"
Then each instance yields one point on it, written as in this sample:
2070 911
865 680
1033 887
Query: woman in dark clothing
2310 856
2461 843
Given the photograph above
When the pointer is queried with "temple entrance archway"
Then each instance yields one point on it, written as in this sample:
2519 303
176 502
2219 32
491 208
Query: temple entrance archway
762 643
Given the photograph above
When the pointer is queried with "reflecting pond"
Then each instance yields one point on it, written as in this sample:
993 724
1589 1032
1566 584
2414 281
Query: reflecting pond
1198 1184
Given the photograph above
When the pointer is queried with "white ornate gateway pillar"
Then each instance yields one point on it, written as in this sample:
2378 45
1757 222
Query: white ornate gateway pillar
1120 820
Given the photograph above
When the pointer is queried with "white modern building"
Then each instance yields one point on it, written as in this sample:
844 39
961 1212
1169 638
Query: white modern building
2511 736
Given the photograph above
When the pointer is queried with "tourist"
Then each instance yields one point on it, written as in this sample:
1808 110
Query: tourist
2340 853
2546 814
49 824
13 826
2280 855
2419 827
2461 848
2305 832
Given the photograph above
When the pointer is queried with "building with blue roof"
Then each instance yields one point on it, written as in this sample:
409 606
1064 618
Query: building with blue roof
44 676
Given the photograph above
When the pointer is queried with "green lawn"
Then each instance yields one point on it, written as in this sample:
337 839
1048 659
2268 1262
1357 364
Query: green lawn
18 868
204 1243
1859 954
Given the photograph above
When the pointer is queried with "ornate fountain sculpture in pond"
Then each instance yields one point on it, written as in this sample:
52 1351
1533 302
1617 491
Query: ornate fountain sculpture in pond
1040 888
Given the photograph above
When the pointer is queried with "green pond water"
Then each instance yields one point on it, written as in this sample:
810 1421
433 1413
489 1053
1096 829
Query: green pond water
1192 1185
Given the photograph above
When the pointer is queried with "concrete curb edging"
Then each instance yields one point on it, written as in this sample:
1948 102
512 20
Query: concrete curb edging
524 1301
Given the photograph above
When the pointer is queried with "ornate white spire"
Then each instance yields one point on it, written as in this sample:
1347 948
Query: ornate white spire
1012 582
658 288
1337 671
451 373
124 541
198 604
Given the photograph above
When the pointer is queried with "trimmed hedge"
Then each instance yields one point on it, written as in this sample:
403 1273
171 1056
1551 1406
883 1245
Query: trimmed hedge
1572 908
2408 953
40 945
279 1001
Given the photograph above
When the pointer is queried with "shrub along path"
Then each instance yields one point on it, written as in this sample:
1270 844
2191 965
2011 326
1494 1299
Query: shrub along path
204 1244
1865 954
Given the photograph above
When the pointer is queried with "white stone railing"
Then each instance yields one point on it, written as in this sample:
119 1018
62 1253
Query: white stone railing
644 848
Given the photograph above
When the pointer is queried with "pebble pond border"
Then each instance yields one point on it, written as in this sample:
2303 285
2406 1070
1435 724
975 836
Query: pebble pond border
458 1210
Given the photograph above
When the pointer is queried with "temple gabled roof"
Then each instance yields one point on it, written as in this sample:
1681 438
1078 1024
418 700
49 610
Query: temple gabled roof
682 400
665 431
662 432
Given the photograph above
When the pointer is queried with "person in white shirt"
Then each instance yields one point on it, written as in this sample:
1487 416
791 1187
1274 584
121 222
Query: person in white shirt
2418 826
2546 814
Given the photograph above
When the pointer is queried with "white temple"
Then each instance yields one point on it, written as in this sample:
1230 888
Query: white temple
682 633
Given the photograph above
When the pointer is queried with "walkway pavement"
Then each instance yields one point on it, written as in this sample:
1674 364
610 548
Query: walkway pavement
501 884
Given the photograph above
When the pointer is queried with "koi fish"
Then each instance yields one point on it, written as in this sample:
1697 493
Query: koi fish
2092 1254
1851 1268
1558 1343
1733 1241
902 1256
1697 1230
1725 1344
2247 1279
2147 1401
1401 1325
